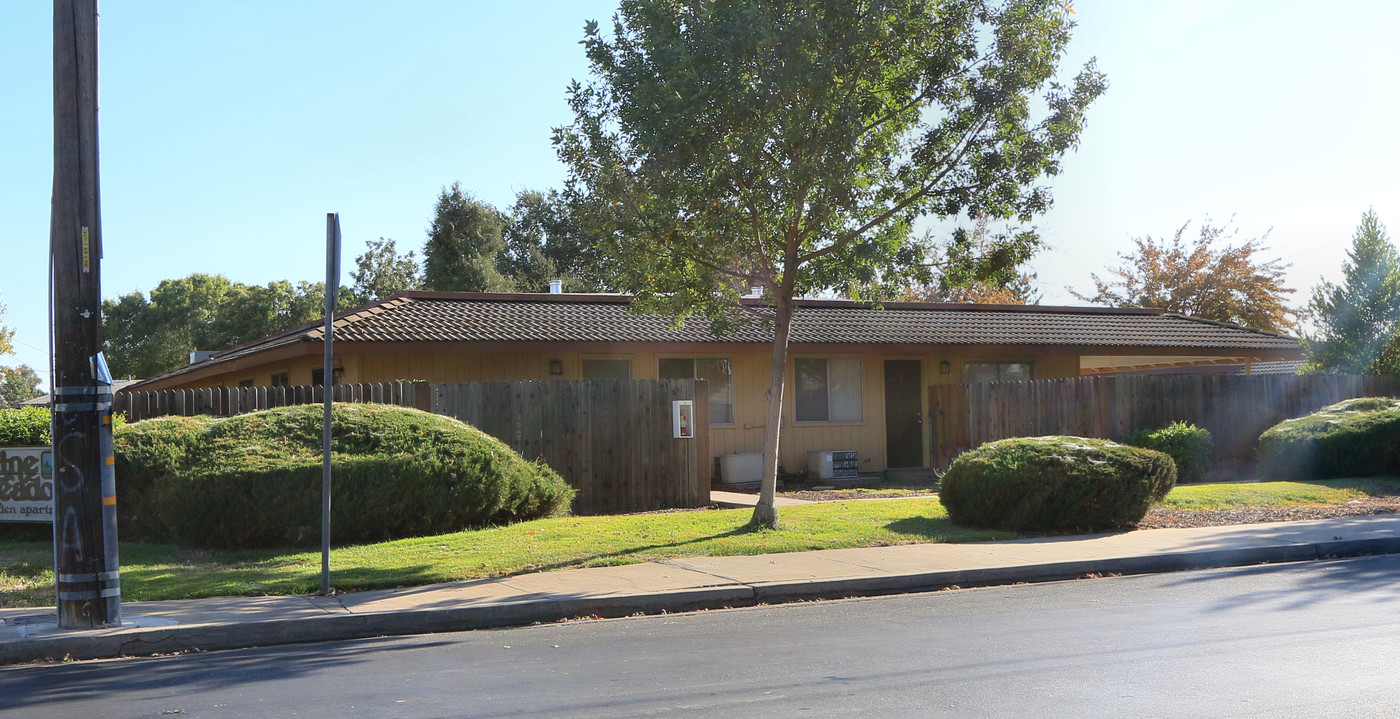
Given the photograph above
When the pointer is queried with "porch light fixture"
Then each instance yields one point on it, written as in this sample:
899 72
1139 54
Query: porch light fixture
556 367
944 367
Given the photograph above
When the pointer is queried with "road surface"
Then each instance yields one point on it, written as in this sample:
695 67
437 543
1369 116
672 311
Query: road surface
1299 640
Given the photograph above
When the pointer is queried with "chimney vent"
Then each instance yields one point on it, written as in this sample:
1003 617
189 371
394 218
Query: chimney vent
556 287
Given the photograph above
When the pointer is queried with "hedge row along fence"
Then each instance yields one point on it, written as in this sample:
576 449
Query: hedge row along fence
609 439
1235 408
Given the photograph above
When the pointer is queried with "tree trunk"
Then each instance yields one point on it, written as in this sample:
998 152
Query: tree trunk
765 513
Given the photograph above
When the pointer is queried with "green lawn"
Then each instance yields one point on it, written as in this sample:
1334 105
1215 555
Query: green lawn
155 571
1276 494
152 571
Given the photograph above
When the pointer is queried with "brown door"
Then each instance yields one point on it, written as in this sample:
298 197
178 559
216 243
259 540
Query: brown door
904 422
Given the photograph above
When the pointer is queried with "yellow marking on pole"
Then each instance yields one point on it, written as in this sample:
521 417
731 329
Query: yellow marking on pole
87 252
109 501
111 460
106 419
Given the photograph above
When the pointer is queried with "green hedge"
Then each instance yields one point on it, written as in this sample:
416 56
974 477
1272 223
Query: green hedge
25 427
255 480
29 426
1055 484
1188 445
1355 438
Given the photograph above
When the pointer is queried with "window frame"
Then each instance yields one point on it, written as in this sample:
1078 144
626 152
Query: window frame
583 362
859 388
286 376
1000 363
693 359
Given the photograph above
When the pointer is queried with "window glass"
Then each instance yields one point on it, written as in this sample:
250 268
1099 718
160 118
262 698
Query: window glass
716 370
810 393
319 374
607 369
282 379
828 390
720 374
245 383
998 371
845 389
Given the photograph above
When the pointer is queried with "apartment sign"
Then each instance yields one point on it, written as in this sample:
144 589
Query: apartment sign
26 484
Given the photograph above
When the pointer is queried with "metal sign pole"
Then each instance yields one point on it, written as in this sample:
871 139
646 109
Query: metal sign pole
328 392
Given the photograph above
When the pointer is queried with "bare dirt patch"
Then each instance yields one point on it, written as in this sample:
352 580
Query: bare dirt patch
1359 507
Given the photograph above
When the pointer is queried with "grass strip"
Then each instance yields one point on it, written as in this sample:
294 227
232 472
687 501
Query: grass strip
159 571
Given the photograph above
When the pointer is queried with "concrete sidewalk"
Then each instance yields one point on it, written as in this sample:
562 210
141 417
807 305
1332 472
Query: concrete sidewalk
680 585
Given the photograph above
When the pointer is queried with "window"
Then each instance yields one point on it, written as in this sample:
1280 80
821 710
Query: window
281 379
997 371
607 369
245 383
828 390
319 374
716 370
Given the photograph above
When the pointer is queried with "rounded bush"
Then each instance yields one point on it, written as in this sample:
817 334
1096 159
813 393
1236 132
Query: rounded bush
255 480
1354 438
1188 445
1055 484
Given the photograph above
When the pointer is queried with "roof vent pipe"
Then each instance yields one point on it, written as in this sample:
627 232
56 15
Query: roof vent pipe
556 287
756 291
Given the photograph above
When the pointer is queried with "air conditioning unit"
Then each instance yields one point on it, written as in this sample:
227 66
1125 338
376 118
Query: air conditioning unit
830 463
744 468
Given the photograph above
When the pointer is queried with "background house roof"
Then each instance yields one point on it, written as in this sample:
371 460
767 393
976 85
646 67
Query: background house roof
482 317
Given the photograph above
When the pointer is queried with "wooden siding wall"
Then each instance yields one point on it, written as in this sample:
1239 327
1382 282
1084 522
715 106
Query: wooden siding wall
610 439
1235 408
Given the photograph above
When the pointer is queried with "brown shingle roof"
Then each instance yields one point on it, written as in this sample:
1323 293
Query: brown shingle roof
475 317
443 317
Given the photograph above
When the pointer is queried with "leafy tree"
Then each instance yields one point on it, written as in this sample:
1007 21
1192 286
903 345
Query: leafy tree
7 334
1201 279
1357 320
382 272
792 144
1021 290
462 245
544 241
148 336
1005 285
18 384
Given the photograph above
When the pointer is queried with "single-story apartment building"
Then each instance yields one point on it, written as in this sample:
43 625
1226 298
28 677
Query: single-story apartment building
857 374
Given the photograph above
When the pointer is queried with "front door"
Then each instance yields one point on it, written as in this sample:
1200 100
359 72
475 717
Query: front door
904 420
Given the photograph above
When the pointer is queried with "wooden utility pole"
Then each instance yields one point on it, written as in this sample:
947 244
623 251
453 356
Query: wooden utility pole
85 502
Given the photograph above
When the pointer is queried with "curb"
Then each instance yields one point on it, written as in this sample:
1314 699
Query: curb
146 641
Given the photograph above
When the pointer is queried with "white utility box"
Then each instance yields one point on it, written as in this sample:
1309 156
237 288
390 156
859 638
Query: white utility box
741 468
830 463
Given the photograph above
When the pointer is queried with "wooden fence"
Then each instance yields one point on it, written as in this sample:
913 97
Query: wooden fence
1235 408
610 439
229 401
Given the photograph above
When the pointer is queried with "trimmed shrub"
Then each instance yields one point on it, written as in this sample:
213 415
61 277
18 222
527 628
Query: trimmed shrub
1188 445
29 426
25 427
1354 438
1055 484
255 480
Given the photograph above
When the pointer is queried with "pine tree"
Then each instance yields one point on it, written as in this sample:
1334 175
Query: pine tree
1357 320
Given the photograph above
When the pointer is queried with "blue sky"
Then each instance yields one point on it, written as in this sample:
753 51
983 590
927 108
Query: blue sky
228 130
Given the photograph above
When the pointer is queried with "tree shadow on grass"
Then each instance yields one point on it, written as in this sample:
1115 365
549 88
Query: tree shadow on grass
941 529
642 550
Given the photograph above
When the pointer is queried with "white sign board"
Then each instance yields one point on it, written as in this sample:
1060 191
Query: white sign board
683 418
26 484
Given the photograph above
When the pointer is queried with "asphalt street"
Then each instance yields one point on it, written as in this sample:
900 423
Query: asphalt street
1307 639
